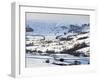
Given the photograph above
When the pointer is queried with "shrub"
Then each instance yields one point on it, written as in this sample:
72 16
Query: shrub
62 60
82 38
47 61
39 51
77 62
79 46
49 41
34 50
64 51
50 51
30 44
63 39
69 38
28 51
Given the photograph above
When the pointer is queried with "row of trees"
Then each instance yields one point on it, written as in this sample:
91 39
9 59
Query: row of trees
71 51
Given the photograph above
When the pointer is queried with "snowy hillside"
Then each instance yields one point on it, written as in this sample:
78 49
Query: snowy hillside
78 44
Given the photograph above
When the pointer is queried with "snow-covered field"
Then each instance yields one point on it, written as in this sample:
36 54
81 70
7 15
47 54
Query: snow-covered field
38 60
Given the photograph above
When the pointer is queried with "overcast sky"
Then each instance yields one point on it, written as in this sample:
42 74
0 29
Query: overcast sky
68 18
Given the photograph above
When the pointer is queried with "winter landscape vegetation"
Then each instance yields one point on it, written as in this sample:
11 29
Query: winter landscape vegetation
57 43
